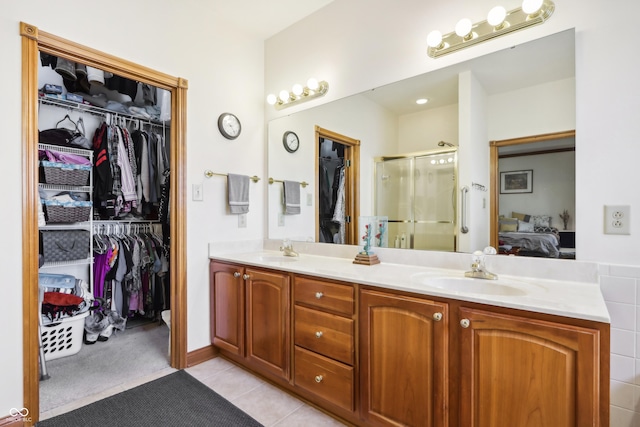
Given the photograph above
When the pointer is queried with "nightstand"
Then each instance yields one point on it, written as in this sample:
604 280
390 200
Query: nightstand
567 238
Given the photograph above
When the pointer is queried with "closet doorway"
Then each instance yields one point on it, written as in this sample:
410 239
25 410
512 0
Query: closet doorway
337 191
35 42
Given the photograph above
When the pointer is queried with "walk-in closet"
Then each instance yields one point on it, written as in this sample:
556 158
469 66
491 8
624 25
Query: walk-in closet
104 229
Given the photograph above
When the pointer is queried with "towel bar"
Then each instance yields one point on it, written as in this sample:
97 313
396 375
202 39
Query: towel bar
209 174
303 183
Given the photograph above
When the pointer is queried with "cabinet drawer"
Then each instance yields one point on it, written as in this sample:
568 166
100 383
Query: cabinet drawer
324 333
326 378
326 295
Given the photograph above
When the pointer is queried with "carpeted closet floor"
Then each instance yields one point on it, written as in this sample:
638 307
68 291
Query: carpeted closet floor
133 354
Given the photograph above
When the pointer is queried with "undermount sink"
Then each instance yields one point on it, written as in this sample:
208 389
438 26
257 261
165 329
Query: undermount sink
278 258
468 285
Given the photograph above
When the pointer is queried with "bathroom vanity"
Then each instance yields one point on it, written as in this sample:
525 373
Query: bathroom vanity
398 344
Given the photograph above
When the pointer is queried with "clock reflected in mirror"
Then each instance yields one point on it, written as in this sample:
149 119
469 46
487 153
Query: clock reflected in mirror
290 141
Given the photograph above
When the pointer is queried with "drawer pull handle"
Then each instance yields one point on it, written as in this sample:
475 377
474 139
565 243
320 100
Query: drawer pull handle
318 379
437 317
236 274
245 276
319 295
465 323
319 334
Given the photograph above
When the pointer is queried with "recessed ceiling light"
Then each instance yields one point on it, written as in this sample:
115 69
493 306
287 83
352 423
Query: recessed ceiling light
421 101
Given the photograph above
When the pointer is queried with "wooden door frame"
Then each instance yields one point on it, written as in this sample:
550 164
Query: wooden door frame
494 182
34 42
352 197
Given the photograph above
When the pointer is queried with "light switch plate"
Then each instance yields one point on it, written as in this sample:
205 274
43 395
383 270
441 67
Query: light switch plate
309 199
242 221
280 219
617 219
197 192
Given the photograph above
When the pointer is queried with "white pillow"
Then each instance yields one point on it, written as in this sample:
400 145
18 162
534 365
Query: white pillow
525 227
541 220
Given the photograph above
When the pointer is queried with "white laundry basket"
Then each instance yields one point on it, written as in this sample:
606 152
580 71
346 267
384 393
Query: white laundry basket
63 338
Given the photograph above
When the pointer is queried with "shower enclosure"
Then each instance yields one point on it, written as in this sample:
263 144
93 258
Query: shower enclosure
417 192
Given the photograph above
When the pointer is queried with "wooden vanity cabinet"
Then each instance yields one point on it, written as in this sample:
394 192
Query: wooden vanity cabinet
520 371
324 344
404 356
250 317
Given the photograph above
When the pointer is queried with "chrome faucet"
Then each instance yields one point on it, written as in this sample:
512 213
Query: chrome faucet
287 248
478 270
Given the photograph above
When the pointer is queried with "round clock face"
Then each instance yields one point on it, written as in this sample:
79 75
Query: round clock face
290 141
229 125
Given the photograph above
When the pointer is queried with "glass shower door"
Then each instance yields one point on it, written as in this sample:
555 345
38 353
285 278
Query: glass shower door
394 199
435 202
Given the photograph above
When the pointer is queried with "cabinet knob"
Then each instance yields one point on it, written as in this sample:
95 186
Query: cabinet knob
318 379
465 323
319 295
437 316
319 334
245 276
236 274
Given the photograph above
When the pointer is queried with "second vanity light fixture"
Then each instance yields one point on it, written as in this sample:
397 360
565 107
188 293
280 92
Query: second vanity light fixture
298 94
499 22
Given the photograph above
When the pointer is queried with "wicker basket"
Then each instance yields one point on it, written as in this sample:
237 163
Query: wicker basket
66 214
63 338
65 174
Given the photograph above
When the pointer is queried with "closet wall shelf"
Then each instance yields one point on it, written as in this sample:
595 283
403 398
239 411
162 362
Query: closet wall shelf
63 149
80 189
68 263
92 109
303 183
85 225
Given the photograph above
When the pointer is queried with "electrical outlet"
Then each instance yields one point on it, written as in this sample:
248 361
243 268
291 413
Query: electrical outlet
197 192
280 219
242 221
617 219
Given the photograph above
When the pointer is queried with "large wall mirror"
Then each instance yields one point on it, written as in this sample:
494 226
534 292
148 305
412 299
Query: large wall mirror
520 92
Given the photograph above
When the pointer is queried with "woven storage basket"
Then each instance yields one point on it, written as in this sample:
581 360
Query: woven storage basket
65 174
64 245
58 214
63 338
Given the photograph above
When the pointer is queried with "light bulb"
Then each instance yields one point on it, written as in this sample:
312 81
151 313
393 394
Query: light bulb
434 39
463 27
441 161
531 6
297 89
422 101
271 99
433 162
496 16
312 84
283 95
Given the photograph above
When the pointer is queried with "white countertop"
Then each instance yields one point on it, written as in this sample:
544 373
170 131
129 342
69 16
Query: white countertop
564 298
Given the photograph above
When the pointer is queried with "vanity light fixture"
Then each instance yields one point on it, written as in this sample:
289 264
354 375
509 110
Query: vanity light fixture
298 93
499 22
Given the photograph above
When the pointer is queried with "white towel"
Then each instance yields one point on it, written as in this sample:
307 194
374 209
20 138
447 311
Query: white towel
238 193
291 197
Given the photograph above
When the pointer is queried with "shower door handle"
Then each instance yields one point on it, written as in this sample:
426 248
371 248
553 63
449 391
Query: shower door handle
463 207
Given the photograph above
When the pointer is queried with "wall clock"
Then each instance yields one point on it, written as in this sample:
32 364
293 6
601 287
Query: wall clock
290 141
229 125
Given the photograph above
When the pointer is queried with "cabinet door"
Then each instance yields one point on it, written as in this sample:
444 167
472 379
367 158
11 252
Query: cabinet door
524 372
227 307
404 346
268 335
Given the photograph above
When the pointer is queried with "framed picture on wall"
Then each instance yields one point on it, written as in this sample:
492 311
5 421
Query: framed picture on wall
516 182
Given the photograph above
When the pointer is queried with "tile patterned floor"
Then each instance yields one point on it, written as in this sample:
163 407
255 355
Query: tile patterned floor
269 405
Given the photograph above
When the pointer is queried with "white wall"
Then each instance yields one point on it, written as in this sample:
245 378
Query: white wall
363 47
422 131
224 69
